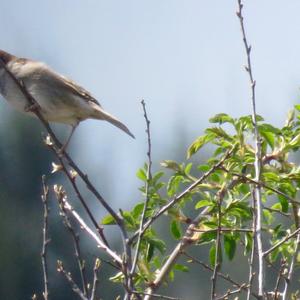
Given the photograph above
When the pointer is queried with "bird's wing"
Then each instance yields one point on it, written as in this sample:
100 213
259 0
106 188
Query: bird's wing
78 90
60 80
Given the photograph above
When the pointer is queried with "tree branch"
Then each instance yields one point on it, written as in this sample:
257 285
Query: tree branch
147 198
46 239
62 199
257 163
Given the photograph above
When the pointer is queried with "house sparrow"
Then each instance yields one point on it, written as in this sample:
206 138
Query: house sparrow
60 99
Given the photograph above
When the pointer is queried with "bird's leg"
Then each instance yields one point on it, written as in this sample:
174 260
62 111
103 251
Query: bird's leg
31 107
64 147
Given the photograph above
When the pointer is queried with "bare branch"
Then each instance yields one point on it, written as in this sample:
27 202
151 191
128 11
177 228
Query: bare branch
262 184
225 277
62 199
281 242
252 255
229 293
68 276
147 198
95 279
224 230
291 269
214 277
72 180
75 237
156 295
46 239
257 163
279 277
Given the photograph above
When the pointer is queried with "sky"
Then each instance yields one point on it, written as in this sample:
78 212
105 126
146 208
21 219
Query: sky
185 58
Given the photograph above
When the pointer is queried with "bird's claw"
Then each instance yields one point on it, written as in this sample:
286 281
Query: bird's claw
31 107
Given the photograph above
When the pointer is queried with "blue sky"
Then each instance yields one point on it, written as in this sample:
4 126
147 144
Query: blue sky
184 58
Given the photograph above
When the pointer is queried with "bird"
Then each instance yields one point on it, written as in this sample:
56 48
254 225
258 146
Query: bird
59 98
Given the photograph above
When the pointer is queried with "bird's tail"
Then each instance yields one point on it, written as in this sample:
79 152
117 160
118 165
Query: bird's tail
103 115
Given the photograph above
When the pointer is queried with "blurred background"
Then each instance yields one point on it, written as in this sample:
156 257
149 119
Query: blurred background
184 58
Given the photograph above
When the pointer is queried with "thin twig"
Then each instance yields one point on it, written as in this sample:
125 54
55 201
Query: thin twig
68 276
229 293
214 277
223 230
281 242
95 279
72 180
225 277
46 239
61 197
177 251
287 282
75 237
279 277
277 211
253 251
290 271
262 184
257 163
147 198
156 295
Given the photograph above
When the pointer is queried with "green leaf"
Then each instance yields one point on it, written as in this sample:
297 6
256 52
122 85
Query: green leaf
297 106
269 137
170 164
274 254
182 268
157 176
221 118
215 177
129 219
219 132
203 203
277 206
150 252
156 243
295 142
171 275
141 174
212 255
199 143
268 128
229 246
188 168
248 243
108 220
290 118
118 277
176 230
203 168
173 184
268 216
137 210
284 203
271 176
207 237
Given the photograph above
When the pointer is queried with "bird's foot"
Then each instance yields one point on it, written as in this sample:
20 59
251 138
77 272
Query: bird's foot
31 107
